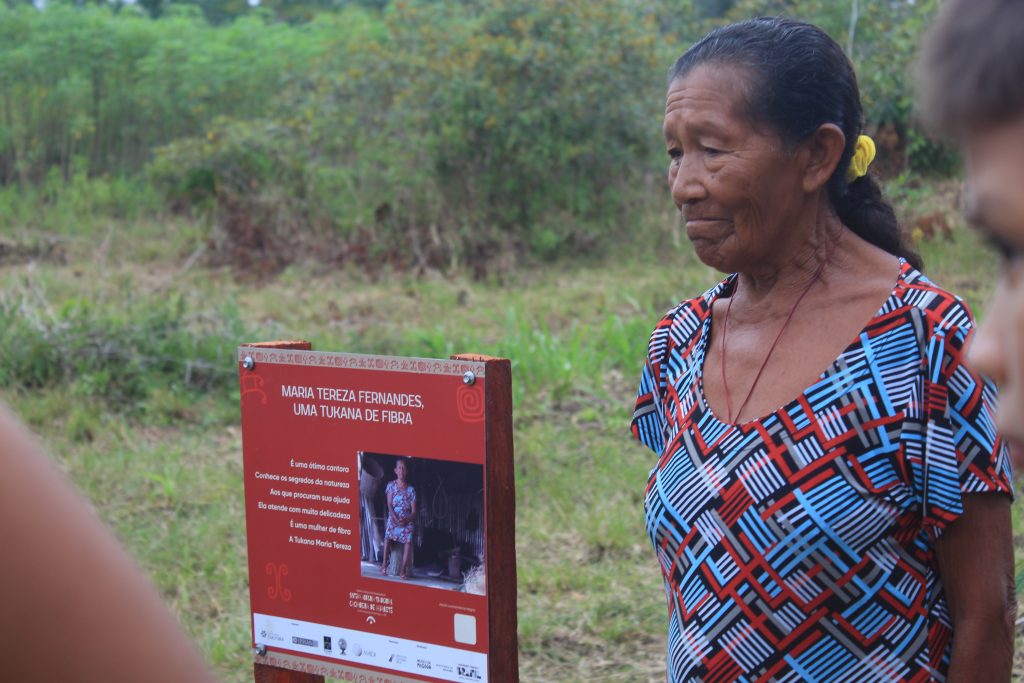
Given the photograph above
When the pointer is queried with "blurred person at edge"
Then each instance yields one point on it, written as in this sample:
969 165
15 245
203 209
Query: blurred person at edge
971 78
76 608
831 500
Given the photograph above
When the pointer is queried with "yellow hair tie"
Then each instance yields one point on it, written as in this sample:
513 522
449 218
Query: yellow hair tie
863 155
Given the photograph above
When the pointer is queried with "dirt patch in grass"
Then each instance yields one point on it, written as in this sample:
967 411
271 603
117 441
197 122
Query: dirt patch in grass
45 249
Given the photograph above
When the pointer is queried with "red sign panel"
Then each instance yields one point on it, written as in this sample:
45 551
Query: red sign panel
365 514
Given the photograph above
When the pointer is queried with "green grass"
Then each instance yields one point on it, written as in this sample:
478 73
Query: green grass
162 463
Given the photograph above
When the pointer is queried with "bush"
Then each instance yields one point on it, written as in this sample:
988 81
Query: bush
250 175
119 356
452 134
881 40
106 87
426 134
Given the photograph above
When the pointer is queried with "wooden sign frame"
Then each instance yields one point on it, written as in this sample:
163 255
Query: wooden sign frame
499 534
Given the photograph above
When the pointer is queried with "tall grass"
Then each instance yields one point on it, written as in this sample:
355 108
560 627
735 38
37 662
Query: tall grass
150 358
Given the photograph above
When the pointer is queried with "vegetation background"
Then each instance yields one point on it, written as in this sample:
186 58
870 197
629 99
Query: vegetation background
416 178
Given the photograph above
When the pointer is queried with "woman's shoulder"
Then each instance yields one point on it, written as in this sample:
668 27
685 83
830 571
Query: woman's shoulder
684 320
681 326
943 310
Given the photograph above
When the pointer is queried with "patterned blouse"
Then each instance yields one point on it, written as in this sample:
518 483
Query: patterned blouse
800 546
402 501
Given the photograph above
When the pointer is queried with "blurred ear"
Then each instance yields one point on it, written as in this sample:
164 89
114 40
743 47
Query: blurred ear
823 149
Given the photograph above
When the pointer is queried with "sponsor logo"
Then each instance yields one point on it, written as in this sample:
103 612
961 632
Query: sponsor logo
358 651
309 642
268 633
469 673
342 645
327 643
422 663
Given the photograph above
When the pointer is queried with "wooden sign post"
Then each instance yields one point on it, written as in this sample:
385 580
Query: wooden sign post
380 516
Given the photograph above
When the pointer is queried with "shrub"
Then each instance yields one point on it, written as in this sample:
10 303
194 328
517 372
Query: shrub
880 39
454 133
424 134
117 355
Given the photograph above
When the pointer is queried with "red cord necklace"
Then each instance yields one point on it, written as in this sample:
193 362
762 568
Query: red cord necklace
725 332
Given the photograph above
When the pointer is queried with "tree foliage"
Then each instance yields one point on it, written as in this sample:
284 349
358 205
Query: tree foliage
880 37
428 132
92 87
458 133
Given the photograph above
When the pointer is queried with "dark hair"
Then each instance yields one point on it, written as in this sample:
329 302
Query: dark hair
800 79
970 67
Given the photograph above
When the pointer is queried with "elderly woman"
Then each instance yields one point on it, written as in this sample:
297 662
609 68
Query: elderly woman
830 501
401 521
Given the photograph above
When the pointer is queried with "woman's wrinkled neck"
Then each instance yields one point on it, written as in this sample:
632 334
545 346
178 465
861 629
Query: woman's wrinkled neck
774 283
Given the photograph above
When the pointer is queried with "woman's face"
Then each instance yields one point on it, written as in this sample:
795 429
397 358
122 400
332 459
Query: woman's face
400 469
738 189
995 170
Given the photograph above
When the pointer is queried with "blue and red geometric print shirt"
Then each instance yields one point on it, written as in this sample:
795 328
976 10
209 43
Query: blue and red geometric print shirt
800 546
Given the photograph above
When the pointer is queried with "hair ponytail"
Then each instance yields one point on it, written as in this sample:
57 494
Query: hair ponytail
861 208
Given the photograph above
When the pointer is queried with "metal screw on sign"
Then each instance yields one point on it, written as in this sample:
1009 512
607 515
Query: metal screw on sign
248 363
469 377
260 650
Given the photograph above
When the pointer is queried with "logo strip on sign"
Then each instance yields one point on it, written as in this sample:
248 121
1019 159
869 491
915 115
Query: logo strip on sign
371 649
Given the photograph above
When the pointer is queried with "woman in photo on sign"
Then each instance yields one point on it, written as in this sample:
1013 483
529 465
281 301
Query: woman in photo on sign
400 526
830 500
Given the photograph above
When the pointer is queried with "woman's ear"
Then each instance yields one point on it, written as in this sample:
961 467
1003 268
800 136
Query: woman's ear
824 150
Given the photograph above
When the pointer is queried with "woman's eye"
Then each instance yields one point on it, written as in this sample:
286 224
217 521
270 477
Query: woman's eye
712 151
675 154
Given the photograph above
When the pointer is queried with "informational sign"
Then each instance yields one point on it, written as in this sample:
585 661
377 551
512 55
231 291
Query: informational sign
369 516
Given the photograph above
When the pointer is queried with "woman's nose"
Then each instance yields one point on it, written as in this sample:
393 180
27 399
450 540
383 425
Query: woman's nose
986 352
988 349
686 183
